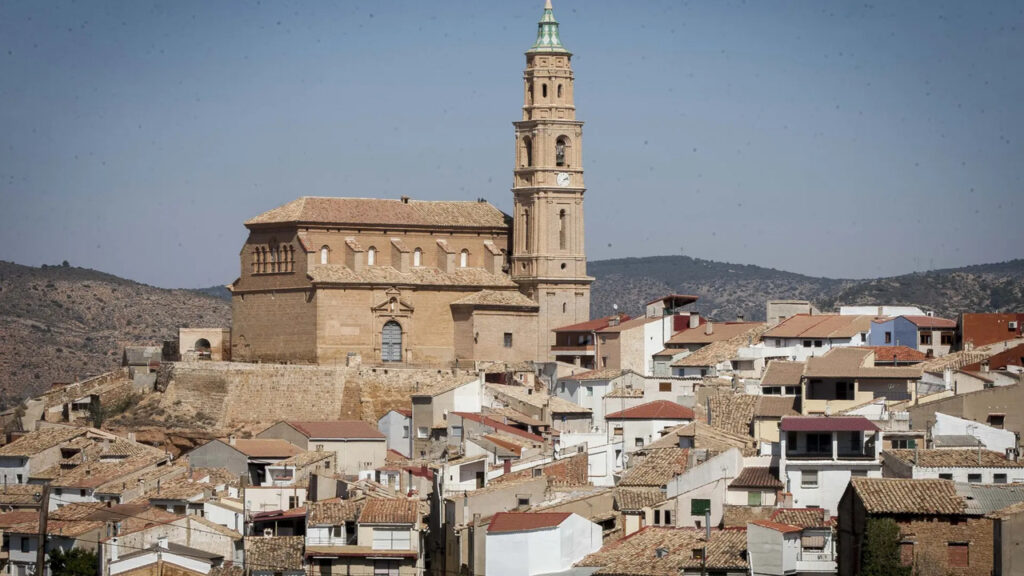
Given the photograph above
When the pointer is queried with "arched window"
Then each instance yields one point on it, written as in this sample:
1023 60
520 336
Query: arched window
565 307
464 258
263 260
256 260
526 229
561 229
417 257
272 253
559 90
527 151
560 152
324 251
529 94
544 90
371 256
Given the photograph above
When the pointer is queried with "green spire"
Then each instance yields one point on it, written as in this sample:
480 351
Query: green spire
547 33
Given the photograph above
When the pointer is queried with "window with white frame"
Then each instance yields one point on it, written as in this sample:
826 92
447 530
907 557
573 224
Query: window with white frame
324 251
422 432
808 478
417 257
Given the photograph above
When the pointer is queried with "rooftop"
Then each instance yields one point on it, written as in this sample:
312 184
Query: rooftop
655 468
538 399
276 553
334 512
849 362
637 554
827 424
719 331
593 325
803 517
415 276
390 511
657 410
364 212
821 326
895 354
908 496
264 447
782 373
337 430
600 374
953 458
757 477
784 528
523 521
35 442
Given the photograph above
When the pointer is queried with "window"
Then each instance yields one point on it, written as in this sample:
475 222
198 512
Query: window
946 338
638 442
323 254
421 432
371 256
390 539
385 568
604 361
325 566
293 502
999 478
820 442
405 431
996 420
817 343
664 386
791 441
668 517
807 343
699 506
560 152
904 443
906 553
559 90
522 502
617 431
958 555
336 531
81 493
527 151
590 391
657 516
696 553
808 478
945 476
544 90
24 544
926 338
464 258
456 431
974 478
508 339
565 307
561 229
417 257
753 498
888 337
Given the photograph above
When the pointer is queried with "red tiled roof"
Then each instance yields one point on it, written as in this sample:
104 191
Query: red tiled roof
591 325
657 410
347 429
265 447
404 412
784 528
827 424
390 511
803 517
519 521
756 477
481 419
931 322
888 354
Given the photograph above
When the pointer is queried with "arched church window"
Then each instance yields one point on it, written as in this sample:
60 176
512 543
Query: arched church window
527 151
559 90
544 90
417 257
561 229
526 229
560 152
272 253
529 94
464 258
371 256
324 250
565 307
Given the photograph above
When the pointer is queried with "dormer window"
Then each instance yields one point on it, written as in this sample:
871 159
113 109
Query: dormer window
417 257
324 251
464 258
371 256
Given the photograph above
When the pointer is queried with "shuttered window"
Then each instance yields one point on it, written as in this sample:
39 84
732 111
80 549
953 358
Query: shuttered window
753 498
389 539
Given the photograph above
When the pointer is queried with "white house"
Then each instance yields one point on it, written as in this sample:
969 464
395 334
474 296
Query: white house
396 426
805 336
819 455
184 559
641 425
532 543
589 389
990 437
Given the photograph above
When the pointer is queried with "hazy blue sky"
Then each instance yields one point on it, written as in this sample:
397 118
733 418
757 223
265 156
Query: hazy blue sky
839 139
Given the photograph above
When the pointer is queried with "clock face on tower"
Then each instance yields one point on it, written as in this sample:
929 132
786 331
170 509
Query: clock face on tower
563 179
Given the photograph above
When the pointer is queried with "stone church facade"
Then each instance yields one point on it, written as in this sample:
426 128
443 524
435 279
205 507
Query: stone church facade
429 283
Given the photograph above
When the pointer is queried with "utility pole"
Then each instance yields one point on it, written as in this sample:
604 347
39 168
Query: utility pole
44 507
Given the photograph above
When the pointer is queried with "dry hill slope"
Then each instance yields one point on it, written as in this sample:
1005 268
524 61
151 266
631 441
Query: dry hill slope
60 323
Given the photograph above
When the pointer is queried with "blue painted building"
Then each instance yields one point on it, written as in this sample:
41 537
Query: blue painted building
924 333
897 331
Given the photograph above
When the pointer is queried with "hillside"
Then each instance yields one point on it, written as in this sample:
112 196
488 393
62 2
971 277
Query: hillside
61 323
726 290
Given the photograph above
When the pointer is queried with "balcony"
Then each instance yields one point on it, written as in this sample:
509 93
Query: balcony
577 350
812 560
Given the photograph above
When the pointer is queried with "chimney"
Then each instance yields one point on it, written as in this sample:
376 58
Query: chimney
405 199
694 319
739 317
709 329
231 439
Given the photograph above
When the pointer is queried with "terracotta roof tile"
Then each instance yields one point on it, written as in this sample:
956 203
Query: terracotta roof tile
523 521
600 374
417 276
784 528
385 212
908 496
953 458
655 468
931 322
757 477
803 517
782 373
390 511
334 512
592 325
777 406
35 442
657 410
497 298
274 553
719 331
891 354
820 326
636 554
265 447
853 362
732 412
538 399
337 429
628 499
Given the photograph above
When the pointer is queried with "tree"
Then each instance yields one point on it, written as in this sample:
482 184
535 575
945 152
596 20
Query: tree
880 555
74 562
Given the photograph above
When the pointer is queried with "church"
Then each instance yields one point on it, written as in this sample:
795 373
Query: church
326 280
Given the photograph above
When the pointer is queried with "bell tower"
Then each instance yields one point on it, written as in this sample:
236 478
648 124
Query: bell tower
548 257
